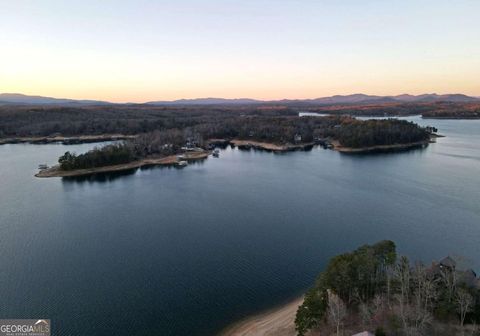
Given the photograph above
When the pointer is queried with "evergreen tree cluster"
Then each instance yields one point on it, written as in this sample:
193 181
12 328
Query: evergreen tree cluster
358 133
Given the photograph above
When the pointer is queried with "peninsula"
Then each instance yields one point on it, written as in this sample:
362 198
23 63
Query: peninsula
57 171
271 133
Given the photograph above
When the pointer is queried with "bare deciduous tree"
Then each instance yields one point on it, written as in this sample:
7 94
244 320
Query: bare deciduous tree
449 278
425 288
402 274
416 293
389 272
337 310
464 302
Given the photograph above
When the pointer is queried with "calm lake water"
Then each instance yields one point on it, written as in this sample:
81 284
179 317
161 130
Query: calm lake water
167 251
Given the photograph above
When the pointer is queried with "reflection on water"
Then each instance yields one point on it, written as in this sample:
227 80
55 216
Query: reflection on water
114 175
99 177
392 151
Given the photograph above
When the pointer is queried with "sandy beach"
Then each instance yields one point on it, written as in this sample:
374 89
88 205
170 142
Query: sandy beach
270 146
279 321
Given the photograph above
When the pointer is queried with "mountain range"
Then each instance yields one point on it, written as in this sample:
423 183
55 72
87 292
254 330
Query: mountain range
17 98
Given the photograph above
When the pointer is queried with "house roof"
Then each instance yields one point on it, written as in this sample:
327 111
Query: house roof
448 262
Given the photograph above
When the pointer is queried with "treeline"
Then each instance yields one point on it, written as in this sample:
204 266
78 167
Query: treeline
372 289
453 114
455 111
170 141
273 129
357 133
225 121
269 128
29 121
426 109
108 155
353 277
155 143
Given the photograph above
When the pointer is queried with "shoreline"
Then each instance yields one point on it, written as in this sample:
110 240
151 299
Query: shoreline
55 171
269 146
66 140
336 146
278 321
452 117
342 149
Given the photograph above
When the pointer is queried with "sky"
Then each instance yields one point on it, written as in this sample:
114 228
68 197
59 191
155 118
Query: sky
137 51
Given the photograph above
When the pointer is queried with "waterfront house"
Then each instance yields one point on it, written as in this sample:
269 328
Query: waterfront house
448 263
449 266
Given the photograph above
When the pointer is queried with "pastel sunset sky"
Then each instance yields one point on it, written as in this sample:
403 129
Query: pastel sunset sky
136 51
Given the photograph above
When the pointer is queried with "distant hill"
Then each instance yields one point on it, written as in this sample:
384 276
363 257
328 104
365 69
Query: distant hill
353 99
433 97
207 101
358 98
18 98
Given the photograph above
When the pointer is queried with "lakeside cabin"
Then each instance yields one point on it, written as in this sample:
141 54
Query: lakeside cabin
192 145
466 277
448 262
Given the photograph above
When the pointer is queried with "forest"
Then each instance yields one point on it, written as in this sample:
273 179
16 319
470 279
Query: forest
460 110
373 289
348 131
43 121
454 111
357 133
155 143
105 156
164 130
131 119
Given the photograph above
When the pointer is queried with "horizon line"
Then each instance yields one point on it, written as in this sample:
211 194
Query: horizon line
260 100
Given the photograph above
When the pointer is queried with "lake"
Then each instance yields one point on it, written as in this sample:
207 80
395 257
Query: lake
166 251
